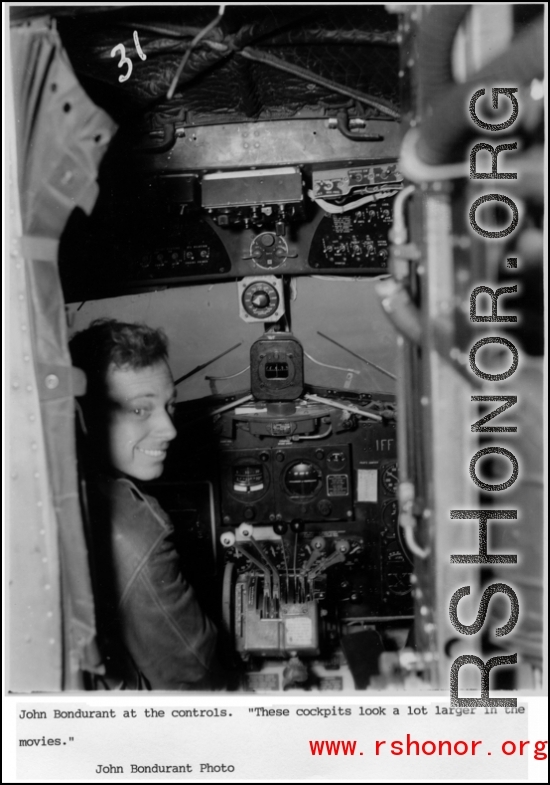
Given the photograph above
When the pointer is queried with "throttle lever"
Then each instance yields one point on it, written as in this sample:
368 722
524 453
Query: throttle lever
341 549
318 546
247 531
228 540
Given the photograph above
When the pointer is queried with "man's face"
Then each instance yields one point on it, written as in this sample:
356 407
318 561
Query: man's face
139 420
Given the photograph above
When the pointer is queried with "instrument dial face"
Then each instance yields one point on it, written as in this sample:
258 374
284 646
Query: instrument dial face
336 459
399 583
390 479
302 479
389 518
260 300
269 250
248 478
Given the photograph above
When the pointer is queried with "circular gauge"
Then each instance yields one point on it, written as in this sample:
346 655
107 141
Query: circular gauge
389 478
260 300
336 459
302 479
247 481
399 583
248 478
389 517
269 250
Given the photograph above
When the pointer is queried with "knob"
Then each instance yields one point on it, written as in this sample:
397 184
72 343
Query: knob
256 253
280 529
260 300
279 456
227 539
342 546
318 543
297 526
249 513
267 240
319 453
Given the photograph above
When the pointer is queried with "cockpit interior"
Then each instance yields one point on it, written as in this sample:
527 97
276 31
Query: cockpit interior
233 175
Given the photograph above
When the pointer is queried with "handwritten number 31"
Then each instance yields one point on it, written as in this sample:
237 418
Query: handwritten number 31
125 61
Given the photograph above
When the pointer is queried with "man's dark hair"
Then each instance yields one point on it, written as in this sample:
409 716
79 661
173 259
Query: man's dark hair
107 341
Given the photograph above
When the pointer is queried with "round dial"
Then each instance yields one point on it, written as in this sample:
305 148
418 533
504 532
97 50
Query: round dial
248 478
302 479
336 459
389 478
399 583
389 518
268 250
260 300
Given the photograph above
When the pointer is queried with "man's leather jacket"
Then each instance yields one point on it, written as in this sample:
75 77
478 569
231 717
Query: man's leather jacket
153 632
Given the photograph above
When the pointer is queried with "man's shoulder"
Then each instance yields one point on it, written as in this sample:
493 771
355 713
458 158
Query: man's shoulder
131 513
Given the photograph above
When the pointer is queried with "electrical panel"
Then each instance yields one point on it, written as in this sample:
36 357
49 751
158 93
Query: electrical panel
358 239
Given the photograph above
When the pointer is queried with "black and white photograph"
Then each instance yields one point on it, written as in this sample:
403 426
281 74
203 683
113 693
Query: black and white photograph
275 386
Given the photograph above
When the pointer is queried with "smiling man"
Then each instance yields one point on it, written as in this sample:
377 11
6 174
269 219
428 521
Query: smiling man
139 421
152 631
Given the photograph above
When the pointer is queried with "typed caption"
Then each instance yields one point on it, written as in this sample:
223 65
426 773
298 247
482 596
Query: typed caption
91 741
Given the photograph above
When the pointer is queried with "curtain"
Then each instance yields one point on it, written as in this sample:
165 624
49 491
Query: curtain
60 139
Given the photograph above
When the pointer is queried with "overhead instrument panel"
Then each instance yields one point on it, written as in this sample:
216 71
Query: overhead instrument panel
195 226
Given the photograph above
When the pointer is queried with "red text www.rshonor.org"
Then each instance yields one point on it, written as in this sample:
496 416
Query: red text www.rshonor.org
412 747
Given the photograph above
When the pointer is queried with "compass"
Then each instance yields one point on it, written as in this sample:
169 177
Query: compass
260 300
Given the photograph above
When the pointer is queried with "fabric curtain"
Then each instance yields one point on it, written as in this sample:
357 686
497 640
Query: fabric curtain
61 137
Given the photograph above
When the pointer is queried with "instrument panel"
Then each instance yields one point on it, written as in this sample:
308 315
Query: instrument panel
191 226
357 239
340 487
304 482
